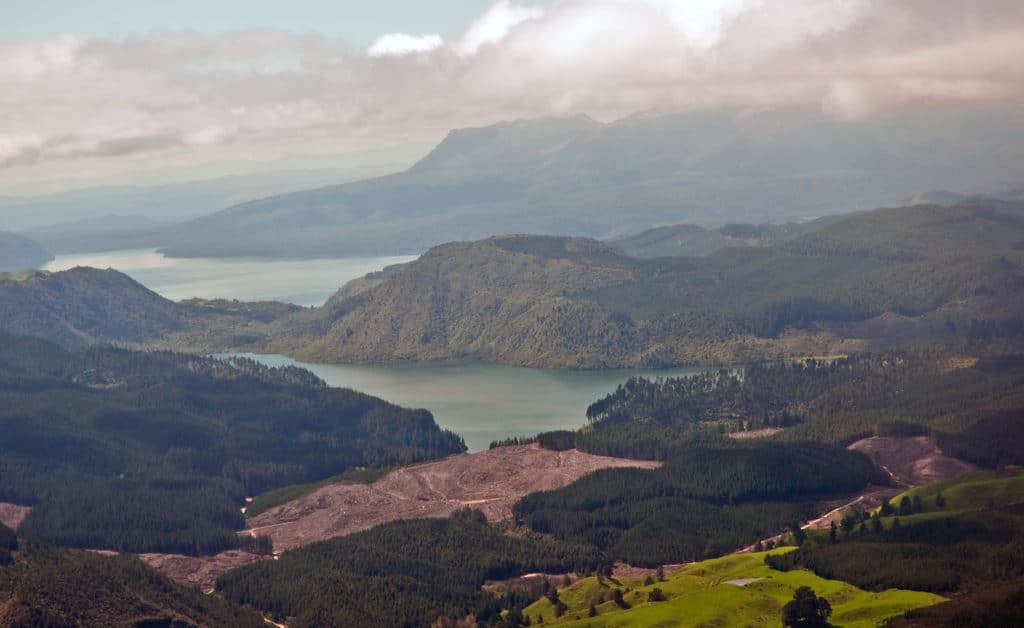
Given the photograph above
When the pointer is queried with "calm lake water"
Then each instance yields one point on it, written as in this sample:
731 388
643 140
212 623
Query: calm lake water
480 402
303 282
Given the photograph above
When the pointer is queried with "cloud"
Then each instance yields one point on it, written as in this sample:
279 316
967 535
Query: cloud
399 44
494 25
268 93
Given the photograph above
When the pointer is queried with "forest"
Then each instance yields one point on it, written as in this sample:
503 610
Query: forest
406 573
155 452
965 402
47 586
709 498
956 536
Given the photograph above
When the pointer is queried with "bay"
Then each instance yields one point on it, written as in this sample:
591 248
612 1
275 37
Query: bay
482 402
303 282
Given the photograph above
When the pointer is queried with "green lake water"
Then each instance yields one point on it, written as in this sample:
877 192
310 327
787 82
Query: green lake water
480 402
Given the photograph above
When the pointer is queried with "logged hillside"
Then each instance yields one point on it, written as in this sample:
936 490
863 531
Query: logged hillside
155 452
579 177
905 276
20 253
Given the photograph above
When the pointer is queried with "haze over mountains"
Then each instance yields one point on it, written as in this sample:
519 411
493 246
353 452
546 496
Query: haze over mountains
68 220
20 253
578 177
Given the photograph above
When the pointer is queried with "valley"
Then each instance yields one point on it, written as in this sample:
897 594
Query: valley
512 314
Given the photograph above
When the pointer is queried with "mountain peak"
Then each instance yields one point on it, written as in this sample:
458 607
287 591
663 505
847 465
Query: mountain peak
520 142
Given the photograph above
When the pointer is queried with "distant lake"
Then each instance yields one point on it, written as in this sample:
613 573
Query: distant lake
303 282
482 402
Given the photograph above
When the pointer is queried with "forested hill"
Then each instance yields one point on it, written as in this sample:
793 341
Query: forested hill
696 241
84 306
20 253
903 276
45 586
155 452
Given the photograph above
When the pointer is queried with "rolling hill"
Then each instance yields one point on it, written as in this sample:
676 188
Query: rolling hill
154 451
579 177
738 590
889 277
84 306
44 586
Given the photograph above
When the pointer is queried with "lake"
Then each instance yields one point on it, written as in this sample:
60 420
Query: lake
480 402
303 282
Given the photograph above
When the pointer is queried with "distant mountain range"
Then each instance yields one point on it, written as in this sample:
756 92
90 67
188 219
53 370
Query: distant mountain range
84 219
579 177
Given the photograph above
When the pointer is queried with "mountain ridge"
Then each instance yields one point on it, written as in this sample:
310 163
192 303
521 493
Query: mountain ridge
579 177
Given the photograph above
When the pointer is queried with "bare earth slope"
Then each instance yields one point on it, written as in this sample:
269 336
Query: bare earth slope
912 461
491 481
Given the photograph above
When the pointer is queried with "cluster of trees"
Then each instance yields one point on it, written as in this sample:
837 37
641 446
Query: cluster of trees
776 394
709 498
970 406
806 610
407 573
155 452
992 441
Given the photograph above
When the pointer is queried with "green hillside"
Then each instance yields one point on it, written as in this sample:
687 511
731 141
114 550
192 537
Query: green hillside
912 276
927 541
738 590
44 586
405 573
156 451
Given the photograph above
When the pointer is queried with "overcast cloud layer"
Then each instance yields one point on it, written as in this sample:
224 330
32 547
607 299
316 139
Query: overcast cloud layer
76 103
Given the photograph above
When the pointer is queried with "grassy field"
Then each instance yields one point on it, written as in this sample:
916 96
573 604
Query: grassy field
701 595
973 490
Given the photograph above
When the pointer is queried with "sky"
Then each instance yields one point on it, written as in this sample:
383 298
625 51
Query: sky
107 90
358 22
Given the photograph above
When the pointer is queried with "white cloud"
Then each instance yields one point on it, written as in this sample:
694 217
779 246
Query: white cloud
269 93
399 44
494 25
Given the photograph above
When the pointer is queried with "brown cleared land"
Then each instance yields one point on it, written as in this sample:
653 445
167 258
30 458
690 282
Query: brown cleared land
911 461
11 515
198 571
491 481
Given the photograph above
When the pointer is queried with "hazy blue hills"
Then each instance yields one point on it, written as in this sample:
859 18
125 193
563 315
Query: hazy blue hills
20 253
579 177
127 216
697 241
